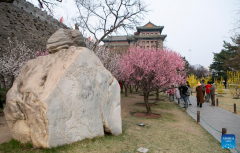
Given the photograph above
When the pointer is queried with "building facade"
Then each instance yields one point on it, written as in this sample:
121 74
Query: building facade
146 36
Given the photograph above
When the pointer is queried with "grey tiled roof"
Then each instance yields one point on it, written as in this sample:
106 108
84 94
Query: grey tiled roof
115 38
146 37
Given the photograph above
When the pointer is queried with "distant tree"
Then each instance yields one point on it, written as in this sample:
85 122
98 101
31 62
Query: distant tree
47 3
186 63
232 53
151 69
103 17
227 60
198 70
12 60
217 65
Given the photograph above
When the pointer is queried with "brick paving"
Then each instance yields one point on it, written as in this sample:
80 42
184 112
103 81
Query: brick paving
215 119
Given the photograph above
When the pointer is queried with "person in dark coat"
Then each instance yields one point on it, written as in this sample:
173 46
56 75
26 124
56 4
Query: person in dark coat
184 95
199 91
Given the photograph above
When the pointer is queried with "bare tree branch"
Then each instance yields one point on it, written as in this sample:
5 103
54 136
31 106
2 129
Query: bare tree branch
104 17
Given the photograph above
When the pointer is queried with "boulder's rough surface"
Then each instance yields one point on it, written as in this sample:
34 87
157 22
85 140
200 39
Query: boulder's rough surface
63 39
62 98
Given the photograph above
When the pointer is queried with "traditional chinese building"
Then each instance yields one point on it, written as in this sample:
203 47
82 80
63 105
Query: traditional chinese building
147 36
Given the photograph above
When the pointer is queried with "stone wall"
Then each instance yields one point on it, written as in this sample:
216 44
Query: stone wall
27 23
42 15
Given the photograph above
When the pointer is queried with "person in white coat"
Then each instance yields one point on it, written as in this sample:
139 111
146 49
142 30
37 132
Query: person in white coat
177 93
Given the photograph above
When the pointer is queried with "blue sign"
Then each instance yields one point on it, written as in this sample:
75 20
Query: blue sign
228 141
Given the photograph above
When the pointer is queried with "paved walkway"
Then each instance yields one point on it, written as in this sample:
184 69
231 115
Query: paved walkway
215 119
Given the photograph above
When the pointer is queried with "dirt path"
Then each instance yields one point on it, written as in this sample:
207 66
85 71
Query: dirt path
5 134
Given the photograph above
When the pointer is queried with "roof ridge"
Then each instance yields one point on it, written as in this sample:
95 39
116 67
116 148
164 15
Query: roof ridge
150 23
118 36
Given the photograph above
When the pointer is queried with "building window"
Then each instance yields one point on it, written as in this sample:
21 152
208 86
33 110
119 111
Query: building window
143 42
147 42
143 33
152 42
147 34
156 33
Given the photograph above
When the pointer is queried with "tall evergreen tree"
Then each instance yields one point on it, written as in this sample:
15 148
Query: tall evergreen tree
227 59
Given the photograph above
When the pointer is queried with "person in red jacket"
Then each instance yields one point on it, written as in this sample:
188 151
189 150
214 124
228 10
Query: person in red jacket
208 86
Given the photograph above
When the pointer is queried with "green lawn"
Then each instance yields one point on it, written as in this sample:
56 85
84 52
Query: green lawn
175 131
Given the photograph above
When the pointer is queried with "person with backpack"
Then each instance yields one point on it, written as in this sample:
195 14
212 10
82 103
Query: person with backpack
184 94
188 93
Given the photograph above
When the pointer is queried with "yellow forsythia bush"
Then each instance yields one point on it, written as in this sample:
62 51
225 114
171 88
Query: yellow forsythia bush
234 83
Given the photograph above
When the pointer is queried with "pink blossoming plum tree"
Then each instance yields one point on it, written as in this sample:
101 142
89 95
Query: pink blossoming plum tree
151 69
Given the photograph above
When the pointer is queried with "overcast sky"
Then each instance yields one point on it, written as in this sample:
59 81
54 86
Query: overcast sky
196 25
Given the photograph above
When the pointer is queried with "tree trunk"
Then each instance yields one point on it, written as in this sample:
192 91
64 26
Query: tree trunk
1 101
125 87
136 88
1 104
146 96
130 88
225 83
12 80
157 94
4 83
120 82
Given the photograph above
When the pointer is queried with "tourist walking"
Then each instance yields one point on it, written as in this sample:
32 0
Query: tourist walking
199 91
184 89
208 86
212 94
180 88
203 86
180 91
188 93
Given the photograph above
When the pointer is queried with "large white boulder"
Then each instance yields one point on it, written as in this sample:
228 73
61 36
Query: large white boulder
62 98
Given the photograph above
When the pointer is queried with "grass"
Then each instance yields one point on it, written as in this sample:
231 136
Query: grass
174 131
226 102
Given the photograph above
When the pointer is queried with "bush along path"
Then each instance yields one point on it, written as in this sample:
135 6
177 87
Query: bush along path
214 118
